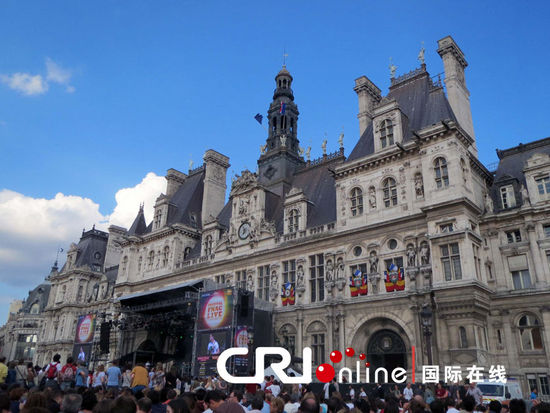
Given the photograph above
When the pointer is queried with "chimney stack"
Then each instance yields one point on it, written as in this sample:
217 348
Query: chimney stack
174 179
213 198
457 92
369 95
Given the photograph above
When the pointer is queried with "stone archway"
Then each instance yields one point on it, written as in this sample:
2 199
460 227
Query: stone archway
386 349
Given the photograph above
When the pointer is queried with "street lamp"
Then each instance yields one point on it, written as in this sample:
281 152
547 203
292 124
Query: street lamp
426 316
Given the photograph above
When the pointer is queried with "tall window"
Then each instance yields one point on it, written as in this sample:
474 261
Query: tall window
390 192
289 342
158 218
293 220
220 279
80 294
546 229
529 333
263 283
543 185
450 259
289 271
441 173
317 277
318 347
386 133
521 279
165 255
507 196
513 236
240 279
208 245
124 264
463 337
140 263
539 382
356 201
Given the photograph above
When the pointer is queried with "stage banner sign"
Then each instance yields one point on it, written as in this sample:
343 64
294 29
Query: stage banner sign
85 329
216 310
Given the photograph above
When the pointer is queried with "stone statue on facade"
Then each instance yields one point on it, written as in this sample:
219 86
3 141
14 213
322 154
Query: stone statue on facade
243 206
525 196
341 140
324 147
488 204
250 283
301 151
373 262
283 140
263 148
421 54
340 269
424 254
300 282
418 185
372 197
329 273
308 153
411 255
392 68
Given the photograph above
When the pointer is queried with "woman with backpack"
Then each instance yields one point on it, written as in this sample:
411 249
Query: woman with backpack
52 372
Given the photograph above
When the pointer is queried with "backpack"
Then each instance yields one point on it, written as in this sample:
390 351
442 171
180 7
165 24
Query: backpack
68 374
51 372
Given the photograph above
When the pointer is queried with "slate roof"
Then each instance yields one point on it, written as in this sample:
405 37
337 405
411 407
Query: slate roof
510 169
185 206
420 100
39 295
91 249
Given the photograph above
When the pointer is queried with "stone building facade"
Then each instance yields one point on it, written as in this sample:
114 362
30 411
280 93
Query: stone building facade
407 242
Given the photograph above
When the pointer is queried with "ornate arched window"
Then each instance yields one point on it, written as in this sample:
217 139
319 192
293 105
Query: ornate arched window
529 333
165 255
441 173
316 331
186 252
35 308
208 245
390 192
386 133
356 201
293 220
463 337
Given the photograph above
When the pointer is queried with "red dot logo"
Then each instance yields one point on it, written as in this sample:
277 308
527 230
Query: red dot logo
325 373
350 352
336 356
362 356
367 364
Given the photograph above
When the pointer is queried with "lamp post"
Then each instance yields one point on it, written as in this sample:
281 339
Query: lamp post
426 316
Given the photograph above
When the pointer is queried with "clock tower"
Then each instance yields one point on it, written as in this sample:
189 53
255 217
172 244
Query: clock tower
281 154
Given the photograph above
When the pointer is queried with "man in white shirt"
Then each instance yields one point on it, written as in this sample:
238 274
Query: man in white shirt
213 346
408 392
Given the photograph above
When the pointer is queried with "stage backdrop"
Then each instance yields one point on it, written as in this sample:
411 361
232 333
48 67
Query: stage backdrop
216 310
84 337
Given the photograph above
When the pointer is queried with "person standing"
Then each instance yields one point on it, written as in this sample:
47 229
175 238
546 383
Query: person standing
99 377
67 374
114 376
127 377
475 393
408 392
81 376
52 371
140 378
21 373
3 369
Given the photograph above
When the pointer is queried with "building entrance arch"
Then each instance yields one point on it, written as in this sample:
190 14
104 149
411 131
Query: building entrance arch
386 349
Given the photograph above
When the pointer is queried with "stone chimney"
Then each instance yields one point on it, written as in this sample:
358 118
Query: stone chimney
213 198
457 92
369 96
174 179
113 253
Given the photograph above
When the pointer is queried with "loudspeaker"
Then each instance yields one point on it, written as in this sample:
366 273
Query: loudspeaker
244 305
105 334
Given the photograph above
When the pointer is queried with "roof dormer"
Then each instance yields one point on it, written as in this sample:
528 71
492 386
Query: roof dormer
389 123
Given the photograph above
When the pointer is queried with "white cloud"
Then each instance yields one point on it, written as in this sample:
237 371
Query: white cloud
29 85
55 73
129 199
25 83
33 229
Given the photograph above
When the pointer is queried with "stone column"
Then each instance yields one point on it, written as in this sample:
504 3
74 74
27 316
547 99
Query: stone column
300 333
509 339
545 310
330 331
535 251
443 340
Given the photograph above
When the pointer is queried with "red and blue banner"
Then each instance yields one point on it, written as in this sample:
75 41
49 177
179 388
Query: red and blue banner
287 294
358 284
282 109
394 279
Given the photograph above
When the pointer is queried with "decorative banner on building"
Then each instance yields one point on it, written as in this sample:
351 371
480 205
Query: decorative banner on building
287 294
395 279
216 309
85 329
358 284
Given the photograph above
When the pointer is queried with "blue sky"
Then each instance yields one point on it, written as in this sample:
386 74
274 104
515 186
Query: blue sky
94 96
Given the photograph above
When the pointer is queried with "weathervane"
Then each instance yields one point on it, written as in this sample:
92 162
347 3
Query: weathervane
285 55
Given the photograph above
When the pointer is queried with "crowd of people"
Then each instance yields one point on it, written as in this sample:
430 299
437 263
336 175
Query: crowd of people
71 388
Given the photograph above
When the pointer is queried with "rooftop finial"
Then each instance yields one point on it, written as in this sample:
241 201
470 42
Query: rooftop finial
421 53
141 207
285 55
392 67
191 163
341 138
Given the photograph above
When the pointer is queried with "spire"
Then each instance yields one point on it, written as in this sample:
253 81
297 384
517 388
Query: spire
280 157
139 226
